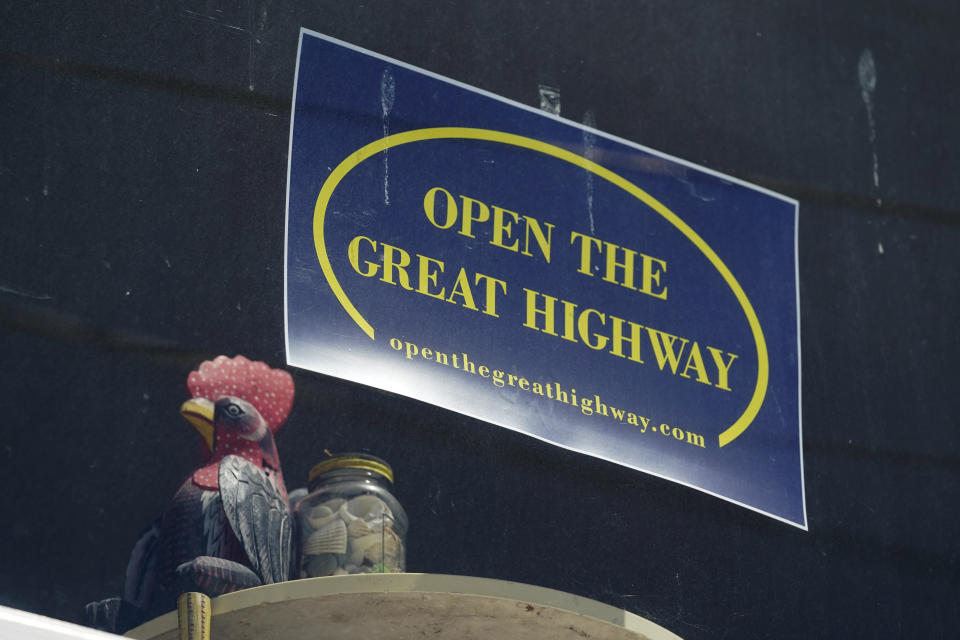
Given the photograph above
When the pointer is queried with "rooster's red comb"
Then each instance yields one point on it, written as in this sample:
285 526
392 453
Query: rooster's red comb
269 390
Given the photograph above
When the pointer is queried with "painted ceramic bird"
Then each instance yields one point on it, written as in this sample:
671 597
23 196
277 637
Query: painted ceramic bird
229 526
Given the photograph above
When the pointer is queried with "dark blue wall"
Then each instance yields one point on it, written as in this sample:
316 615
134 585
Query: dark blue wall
142 183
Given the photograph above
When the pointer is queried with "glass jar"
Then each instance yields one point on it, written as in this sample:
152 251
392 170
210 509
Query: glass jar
350 522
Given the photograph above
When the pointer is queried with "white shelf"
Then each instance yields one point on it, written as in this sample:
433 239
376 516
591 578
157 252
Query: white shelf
405 606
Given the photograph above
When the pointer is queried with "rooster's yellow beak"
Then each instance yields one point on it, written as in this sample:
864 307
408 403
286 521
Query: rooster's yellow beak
199 413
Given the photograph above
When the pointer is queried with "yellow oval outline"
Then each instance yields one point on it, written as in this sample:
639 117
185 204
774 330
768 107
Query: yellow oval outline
466 133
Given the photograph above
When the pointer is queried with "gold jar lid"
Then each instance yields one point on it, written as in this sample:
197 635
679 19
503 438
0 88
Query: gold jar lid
361 461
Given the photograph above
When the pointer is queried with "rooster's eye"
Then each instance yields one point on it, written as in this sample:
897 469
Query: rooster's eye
234 411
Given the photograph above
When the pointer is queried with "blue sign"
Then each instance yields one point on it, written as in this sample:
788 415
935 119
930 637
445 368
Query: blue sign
471 252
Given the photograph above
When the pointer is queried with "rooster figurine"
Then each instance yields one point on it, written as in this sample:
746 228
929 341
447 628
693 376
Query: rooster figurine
229 526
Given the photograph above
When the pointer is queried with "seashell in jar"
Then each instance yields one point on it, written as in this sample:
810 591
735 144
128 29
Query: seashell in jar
391 548
359 528
344 514
322 565
333 504
332 538
374 548
321 511
320 516
356 550
368 507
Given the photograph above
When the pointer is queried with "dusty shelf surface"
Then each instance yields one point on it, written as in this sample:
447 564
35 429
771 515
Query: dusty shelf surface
407 606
